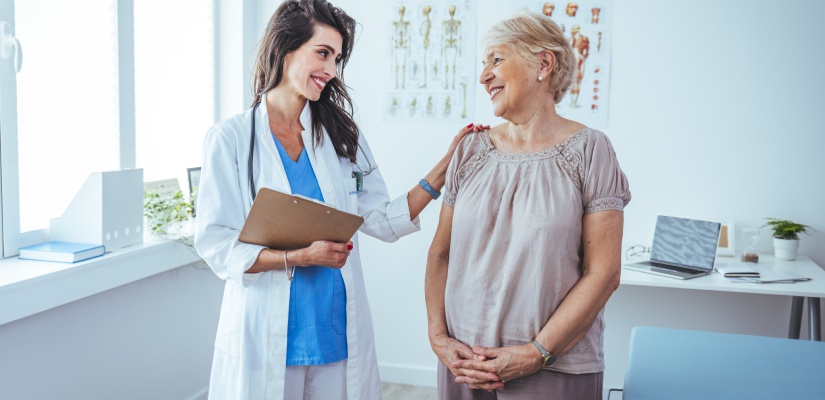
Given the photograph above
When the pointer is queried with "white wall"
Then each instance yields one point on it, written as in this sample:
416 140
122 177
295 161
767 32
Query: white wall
714 113
151 339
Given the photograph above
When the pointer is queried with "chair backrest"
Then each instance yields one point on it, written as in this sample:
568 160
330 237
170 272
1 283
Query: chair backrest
680 364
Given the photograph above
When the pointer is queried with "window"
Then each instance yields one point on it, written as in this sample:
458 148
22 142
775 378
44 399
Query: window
174 80
67 96
104 85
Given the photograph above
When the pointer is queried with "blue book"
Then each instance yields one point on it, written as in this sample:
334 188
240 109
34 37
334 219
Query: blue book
61 252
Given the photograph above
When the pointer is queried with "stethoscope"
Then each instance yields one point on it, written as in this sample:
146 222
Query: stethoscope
369 170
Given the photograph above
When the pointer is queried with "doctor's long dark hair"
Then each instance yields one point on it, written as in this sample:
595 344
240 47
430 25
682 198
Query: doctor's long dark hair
292 25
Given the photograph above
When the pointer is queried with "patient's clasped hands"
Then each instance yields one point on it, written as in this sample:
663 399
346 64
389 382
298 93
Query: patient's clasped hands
451 351
485 368
490 367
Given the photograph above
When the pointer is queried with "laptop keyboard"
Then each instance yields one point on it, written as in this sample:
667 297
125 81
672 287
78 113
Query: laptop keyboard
673 268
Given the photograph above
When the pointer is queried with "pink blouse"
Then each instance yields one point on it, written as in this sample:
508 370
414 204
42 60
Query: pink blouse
516 244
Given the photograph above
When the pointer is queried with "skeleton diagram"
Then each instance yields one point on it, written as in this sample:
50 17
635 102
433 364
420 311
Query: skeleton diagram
581 49
400 47
426 26
464 101
394 106
450 46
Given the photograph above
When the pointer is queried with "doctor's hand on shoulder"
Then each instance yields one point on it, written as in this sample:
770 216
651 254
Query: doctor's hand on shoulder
472 128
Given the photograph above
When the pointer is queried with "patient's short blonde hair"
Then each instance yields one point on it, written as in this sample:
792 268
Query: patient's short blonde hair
529 34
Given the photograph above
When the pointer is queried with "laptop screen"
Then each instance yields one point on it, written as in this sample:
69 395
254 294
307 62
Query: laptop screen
685 242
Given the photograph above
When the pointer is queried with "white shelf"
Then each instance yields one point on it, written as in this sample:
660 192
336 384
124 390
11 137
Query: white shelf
29 287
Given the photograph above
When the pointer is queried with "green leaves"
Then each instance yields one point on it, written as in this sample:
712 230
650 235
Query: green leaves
788 230
163 212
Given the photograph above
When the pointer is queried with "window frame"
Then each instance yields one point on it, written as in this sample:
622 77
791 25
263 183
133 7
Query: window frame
9 169
13 238
10 235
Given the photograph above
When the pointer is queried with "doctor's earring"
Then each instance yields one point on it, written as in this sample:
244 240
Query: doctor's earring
541 78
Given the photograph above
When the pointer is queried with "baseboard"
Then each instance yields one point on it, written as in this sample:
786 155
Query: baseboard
392 373
395 373
200 394
408 374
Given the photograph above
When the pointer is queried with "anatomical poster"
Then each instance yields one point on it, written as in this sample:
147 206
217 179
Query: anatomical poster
587 27
431 75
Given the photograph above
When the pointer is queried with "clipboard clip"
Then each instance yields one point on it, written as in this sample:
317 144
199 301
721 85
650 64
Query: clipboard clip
300 196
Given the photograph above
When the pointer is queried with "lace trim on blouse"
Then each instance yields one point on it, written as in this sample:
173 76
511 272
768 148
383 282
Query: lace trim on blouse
465 170
449 198
562 153
555 151
607 203
567 159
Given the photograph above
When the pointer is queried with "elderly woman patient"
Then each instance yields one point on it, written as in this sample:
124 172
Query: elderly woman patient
527 250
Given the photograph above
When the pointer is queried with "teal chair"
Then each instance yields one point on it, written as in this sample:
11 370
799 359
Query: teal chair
677 364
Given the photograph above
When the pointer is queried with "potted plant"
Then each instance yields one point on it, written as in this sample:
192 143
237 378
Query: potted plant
786 237
166 214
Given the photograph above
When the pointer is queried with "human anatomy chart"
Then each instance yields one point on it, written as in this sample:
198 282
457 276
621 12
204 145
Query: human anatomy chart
587 26
431 73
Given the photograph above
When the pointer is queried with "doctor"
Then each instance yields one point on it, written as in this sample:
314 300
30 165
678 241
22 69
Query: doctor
296 324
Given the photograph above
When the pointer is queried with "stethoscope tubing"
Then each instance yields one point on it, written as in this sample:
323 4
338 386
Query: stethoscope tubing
250 172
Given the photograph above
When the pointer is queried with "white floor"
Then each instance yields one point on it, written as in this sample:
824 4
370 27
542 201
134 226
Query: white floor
396 391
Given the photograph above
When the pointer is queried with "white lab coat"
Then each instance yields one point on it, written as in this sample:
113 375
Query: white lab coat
250 347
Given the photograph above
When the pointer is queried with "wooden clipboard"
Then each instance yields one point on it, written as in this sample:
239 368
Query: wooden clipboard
282 221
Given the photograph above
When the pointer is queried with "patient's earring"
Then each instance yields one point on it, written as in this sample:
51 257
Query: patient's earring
540 78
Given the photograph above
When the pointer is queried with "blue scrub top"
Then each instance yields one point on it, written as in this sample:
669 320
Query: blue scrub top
317 315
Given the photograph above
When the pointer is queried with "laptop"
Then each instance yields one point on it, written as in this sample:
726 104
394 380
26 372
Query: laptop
682 248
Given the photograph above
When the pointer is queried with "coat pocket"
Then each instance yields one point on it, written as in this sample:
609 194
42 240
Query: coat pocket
230 325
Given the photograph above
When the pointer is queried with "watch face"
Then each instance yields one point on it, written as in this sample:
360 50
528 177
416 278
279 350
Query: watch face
549 360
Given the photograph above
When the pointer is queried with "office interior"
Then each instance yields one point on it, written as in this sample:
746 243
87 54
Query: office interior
714 112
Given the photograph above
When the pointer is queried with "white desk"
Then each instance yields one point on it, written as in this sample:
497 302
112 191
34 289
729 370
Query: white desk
708 303
813 290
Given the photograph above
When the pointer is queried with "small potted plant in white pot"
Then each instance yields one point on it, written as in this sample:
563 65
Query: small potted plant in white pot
786 237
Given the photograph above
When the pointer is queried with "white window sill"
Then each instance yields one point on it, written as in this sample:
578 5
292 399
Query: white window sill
29 287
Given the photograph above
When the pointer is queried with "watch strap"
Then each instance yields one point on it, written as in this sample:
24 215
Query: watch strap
544 353
547 359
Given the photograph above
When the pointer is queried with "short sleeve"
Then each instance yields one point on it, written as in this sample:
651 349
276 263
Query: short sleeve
605 185
467 152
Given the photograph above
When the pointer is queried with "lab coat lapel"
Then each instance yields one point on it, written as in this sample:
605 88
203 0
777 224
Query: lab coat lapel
324 160
272 164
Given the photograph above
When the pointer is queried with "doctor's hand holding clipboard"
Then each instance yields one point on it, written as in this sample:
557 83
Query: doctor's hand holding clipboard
314 231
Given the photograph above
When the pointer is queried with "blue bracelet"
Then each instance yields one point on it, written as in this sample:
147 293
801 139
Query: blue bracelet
434 193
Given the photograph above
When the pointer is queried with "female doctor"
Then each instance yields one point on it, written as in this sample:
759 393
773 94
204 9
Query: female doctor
296 324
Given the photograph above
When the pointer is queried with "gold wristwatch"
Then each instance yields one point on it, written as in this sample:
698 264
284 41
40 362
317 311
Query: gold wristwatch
547 358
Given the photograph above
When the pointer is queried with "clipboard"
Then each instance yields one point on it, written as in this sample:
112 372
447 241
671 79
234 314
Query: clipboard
283 221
